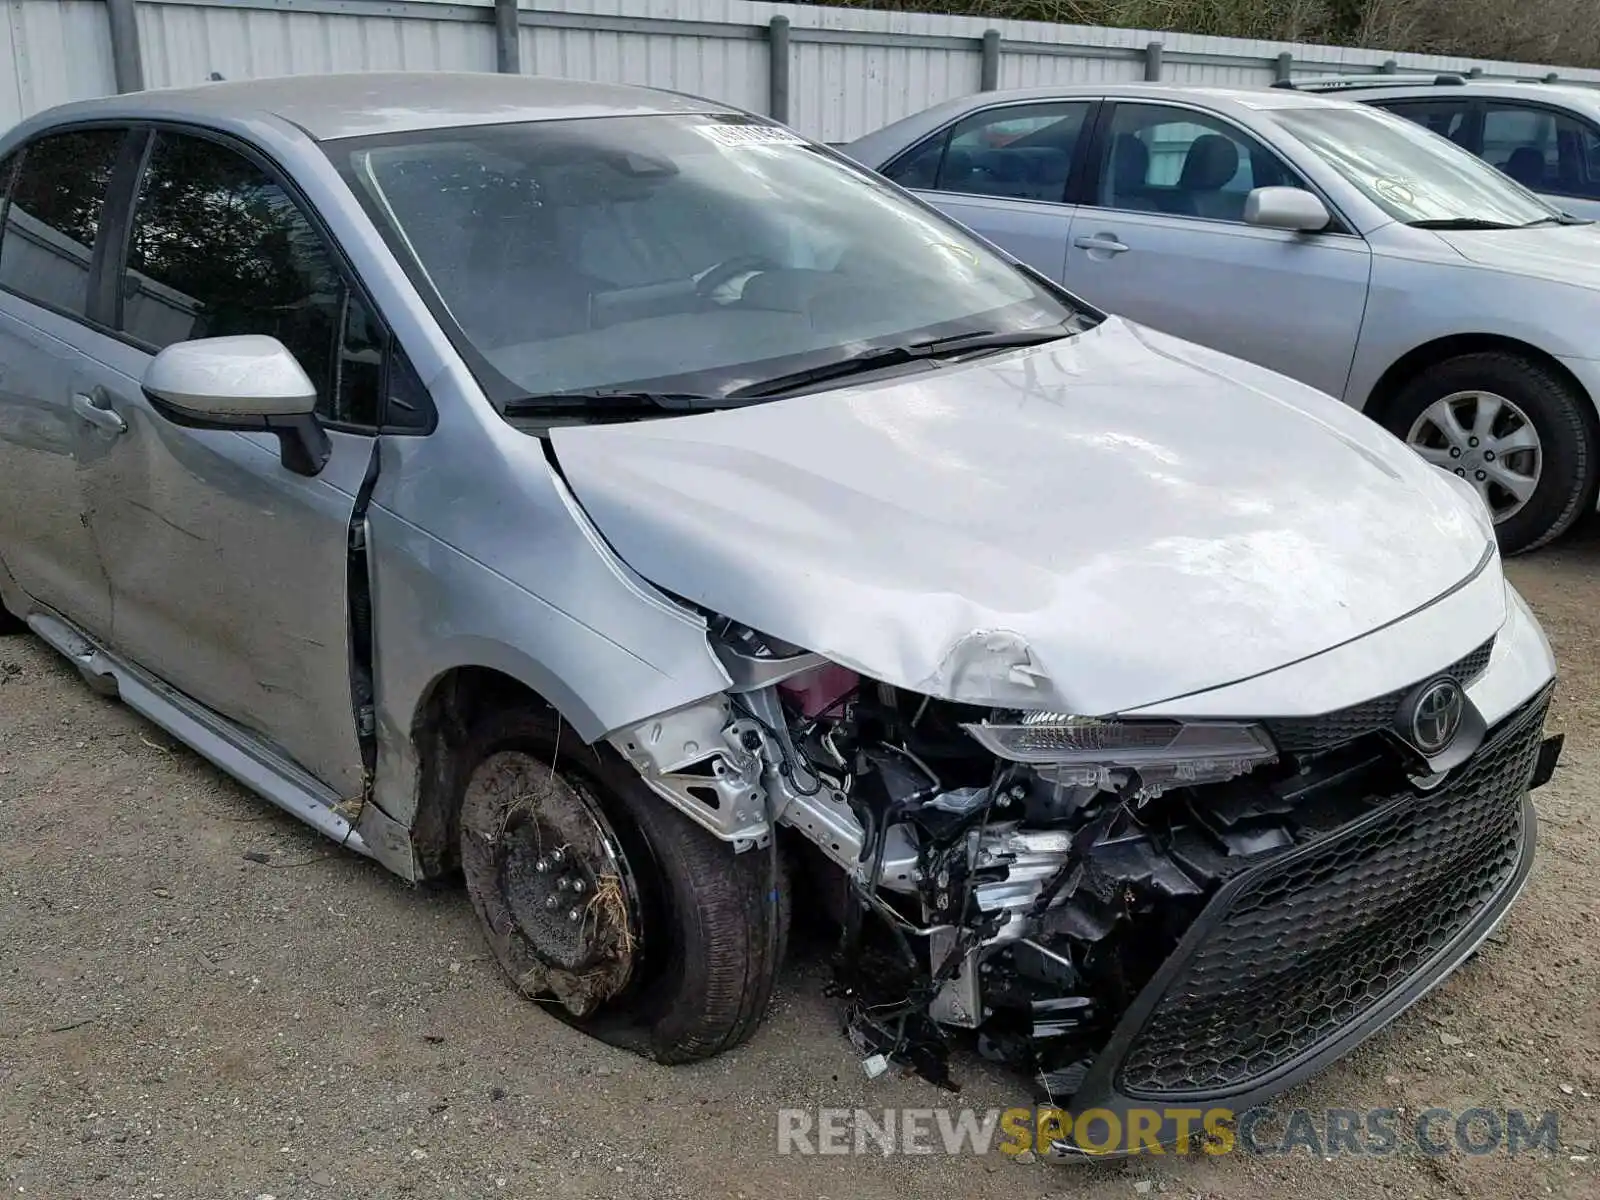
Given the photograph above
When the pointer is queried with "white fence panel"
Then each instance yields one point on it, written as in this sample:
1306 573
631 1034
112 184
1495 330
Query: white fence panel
848 70
60 50
184 44
685 62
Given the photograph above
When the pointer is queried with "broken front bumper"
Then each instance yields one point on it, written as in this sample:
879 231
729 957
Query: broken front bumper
1295 961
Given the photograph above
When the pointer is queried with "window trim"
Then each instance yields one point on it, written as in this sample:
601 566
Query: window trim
1550 110
108 204
1093 104
126 208
1338 226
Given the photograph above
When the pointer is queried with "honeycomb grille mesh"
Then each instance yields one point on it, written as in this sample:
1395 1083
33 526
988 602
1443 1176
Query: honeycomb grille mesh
1310 735
1308 946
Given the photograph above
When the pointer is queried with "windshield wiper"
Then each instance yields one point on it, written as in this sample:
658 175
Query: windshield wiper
889 356
611 404
1465 223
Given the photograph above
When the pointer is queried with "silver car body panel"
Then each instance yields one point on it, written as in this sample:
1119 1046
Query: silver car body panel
926 541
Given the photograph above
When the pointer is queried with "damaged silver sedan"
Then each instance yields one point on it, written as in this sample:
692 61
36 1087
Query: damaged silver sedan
646 512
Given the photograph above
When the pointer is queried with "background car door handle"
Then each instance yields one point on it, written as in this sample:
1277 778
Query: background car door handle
97 415
1104 242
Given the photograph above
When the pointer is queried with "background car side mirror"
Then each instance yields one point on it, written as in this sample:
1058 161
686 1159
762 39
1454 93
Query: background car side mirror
245 382
1286 208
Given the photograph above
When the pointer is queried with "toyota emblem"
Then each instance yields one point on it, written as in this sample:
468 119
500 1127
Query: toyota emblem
1436 717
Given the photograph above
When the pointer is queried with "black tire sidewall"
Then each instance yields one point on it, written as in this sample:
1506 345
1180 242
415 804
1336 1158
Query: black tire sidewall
1558 414
707 962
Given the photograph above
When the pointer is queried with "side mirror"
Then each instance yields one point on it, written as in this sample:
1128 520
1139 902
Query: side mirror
246 382
1289 208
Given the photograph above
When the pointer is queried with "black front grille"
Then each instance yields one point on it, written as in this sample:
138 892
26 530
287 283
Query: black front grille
1311 735
1298 949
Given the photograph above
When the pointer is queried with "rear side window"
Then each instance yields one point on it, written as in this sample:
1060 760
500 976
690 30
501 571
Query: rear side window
1022 152
53 217
219 247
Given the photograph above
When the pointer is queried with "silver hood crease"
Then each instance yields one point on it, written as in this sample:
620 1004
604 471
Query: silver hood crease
1104 522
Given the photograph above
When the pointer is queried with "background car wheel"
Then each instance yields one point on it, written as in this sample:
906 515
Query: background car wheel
594 892
1512 428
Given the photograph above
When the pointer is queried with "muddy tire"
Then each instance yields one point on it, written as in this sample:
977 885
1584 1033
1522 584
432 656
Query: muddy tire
1526 396
689 971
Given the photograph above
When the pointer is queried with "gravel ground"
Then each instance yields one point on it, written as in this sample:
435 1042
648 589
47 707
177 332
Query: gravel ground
178 1020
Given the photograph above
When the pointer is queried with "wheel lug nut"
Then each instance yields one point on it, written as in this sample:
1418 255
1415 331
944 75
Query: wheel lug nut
1488 456
1482 475
1455 451
1461 473
563 883
557 857
574 915
1472 441
577 887
551 902
541 866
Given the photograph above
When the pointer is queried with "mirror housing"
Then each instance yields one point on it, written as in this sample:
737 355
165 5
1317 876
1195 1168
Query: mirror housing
249 382
1290 208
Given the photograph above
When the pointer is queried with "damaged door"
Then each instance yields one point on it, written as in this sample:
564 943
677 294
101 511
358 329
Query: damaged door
52 194
228 571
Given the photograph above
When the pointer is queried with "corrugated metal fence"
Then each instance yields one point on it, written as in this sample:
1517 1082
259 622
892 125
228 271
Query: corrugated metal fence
832 73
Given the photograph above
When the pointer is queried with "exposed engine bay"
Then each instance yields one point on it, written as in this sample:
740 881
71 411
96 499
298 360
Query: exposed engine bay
1023 876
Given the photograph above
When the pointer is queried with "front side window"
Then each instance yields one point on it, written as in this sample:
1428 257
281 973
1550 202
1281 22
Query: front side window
53 217
218 248
1412 175
1542 149
1158 158
690 254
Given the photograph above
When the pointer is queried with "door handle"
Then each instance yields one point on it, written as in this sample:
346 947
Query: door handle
98 415
1106 242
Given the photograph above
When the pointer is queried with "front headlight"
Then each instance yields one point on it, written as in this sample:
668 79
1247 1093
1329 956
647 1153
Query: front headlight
1072 748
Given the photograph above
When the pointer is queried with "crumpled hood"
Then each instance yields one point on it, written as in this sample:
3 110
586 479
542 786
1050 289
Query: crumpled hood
1099 523
1563 253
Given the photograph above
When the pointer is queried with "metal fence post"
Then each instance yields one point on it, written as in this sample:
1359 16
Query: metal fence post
507 38
989 68
778 69
1389 67
1152 62
1284 70
127 64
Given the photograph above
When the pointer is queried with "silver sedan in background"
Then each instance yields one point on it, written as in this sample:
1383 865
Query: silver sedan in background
1330 241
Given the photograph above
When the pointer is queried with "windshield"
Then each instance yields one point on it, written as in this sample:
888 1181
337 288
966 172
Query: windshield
1414 175
696 255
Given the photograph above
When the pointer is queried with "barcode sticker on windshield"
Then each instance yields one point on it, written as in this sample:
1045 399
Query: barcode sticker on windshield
750 135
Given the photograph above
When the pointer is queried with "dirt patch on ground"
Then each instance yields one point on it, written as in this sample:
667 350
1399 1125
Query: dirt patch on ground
180 1020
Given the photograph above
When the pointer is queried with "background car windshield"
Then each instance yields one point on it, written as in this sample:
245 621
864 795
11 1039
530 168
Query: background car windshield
1412 174
690 254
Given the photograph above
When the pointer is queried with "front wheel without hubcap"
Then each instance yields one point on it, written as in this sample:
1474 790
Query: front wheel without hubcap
595 894
1512 428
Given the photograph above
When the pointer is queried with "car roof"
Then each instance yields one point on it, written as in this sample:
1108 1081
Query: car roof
376 102
1511 89
1243 104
